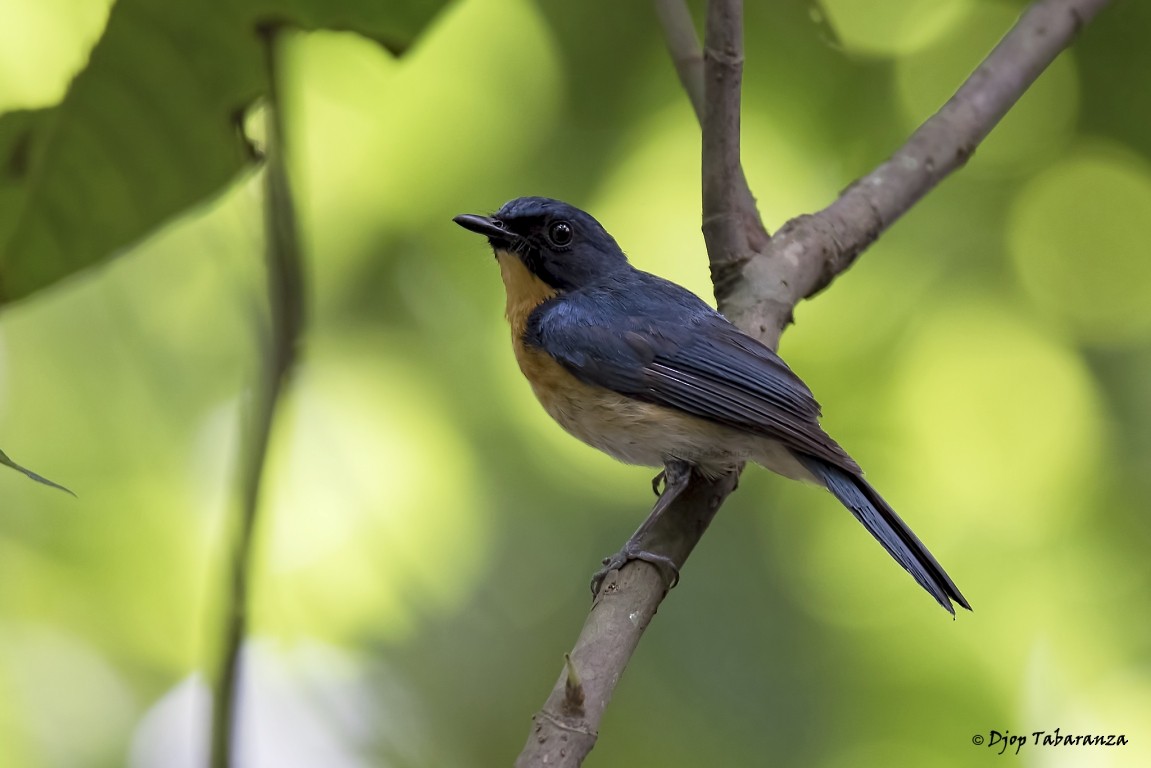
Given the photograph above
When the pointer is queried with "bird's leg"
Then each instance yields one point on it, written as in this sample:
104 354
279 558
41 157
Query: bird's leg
675 475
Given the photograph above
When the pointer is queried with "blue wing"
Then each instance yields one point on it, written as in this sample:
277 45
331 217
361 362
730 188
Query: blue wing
657 342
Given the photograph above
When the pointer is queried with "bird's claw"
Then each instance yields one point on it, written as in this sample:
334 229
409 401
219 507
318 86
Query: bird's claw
658 481
631 551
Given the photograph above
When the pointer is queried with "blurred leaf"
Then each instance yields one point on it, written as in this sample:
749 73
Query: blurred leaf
23 470
151 126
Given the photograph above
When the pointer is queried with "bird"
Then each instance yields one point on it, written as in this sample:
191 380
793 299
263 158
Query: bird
649 373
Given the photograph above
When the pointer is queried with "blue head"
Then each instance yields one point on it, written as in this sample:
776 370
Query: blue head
558 243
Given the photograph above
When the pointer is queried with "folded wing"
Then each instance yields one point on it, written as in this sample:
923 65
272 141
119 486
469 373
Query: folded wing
672 349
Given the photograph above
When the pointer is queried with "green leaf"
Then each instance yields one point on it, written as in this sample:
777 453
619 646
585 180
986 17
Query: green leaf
29 473
151 126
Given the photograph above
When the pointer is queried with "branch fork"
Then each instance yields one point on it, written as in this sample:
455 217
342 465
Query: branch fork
758 281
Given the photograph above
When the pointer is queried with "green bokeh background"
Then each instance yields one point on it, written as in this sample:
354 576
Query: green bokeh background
427 532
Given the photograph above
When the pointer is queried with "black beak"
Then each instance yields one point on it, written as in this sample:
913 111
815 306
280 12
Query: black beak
493 229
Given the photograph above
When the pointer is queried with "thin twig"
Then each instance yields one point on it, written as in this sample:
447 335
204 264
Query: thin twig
759 298
683 47
285 322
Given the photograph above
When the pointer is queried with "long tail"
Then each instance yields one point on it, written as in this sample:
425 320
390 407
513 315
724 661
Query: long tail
888 529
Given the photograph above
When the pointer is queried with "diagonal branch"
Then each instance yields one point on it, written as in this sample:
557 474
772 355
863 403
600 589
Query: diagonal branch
758 281
565 729
809 251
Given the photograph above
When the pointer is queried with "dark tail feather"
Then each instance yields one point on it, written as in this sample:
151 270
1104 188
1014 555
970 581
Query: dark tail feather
889 530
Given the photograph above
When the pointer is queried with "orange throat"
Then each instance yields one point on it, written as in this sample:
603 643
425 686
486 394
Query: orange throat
524 291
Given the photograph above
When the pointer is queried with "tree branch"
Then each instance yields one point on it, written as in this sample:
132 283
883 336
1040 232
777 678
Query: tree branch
758 281
811 250
285 324
732 226
565 729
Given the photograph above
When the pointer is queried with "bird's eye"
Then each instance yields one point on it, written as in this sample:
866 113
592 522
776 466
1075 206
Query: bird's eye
560 234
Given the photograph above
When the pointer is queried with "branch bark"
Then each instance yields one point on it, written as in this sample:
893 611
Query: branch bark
732 228
711 77
565 729
758 281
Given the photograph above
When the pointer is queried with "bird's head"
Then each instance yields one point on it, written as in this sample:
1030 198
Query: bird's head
557 243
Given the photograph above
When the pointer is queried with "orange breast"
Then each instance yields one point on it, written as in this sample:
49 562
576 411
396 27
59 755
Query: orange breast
556 389
524 291
630 430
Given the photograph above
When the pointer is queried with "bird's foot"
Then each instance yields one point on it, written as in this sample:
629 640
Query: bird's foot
632 551
674 478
